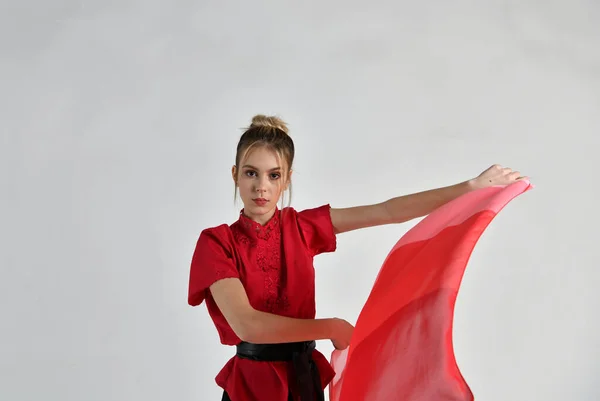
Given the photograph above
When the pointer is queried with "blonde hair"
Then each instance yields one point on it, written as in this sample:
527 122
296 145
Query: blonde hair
272 133
260 120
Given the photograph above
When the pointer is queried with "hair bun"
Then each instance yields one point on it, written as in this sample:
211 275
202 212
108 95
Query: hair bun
260 120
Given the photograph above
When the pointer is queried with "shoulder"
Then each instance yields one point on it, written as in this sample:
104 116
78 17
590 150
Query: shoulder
212 260
315 227
219 236
313 213
219 230
214 246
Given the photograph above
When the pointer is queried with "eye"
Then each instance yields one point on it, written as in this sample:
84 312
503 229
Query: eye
275 176
250 173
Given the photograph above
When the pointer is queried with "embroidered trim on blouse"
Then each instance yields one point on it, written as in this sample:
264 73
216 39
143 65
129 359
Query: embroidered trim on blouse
267 240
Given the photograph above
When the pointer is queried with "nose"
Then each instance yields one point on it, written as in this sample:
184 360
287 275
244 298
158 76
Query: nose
261 186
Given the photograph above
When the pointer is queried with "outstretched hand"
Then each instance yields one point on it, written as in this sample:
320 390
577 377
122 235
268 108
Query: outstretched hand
496 175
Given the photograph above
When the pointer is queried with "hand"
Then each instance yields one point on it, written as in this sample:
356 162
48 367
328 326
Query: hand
342 333
496 175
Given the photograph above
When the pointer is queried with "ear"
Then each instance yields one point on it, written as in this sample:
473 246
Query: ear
289 180
234 174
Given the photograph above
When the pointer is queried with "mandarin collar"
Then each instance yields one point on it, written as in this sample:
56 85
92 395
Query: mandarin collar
255 230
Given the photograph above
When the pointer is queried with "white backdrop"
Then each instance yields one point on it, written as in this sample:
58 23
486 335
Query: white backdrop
119 125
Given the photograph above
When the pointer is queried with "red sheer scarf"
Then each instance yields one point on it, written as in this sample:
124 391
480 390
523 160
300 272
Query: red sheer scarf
402 347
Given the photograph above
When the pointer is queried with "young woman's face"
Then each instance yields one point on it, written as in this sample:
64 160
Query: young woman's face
261 180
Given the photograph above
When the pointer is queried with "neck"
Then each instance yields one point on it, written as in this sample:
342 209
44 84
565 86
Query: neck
261 219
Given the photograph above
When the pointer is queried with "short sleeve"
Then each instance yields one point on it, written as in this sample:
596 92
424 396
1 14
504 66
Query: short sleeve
317 229
211 261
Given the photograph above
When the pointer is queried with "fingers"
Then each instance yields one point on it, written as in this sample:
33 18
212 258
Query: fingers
511 175
502 175
498 169
514 175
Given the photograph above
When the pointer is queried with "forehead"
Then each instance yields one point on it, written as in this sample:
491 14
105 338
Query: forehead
262 158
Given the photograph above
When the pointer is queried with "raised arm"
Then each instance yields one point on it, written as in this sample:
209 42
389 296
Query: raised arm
259 327
408 207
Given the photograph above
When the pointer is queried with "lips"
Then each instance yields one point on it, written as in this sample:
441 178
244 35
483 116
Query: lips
260 201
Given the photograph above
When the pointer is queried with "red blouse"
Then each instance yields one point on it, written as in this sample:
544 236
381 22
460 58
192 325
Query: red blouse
275 264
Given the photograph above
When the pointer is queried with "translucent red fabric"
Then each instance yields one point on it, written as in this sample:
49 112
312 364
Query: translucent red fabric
402 347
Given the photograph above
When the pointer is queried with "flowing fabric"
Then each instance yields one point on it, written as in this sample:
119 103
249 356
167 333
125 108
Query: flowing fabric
401 348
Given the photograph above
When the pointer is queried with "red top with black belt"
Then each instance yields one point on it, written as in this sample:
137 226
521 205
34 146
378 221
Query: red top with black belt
275 264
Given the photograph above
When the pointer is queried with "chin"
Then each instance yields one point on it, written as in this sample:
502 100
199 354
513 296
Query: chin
260 209
253 208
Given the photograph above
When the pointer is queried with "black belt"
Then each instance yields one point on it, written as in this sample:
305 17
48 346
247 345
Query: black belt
300 354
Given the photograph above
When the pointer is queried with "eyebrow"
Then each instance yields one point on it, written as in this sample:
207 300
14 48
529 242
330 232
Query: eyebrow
254 168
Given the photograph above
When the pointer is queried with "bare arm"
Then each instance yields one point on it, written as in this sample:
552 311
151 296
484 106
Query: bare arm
396 210
258 327
408 207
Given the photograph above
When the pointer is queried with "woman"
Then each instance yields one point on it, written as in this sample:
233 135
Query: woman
257 277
